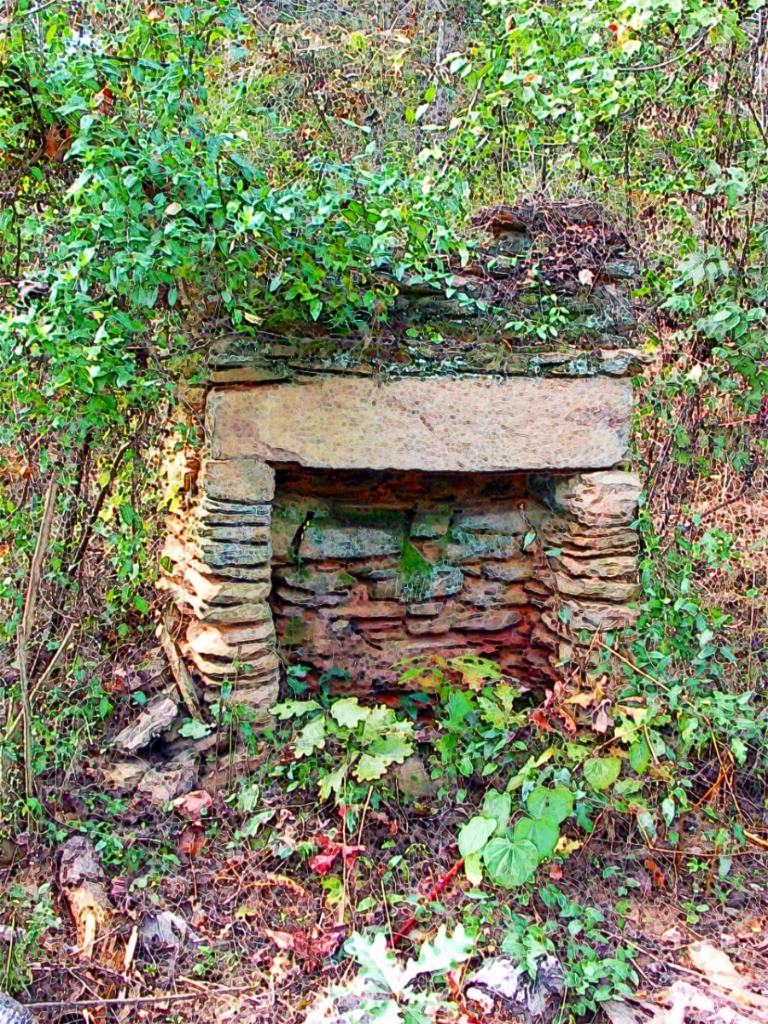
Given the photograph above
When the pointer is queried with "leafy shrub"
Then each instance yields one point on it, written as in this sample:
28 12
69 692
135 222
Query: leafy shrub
370 740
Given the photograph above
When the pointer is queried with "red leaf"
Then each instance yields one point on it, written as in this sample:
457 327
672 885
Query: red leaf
305 944
540 720
555 872
191 841
197 802
323 862
657 875
568 722
327 943
283 940
349 853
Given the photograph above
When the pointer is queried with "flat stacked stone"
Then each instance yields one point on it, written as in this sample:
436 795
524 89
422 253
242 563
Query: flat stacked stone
221 579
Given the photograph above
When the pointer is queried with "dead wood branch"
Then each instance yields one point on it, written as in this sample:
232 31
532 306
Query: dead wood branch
180 672
27 625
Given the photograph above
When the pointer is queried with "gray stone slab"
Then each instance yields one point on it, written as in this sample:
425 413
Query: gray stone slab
433 424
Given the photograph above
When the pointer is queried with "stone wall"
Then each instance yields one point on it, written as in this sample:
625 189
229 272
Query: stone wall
349 524
373 570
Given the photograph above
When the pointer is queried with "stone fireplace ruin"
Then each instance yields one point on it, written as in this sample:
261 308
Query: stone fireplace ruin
348 522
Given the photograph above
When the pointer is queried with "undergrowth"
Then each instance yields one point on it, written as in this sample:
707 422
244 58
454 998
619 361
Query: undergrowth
174 174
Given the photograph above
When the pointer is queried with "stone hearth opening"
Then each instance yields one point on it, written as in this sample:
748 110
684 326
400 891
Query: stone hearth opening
348 524
373 569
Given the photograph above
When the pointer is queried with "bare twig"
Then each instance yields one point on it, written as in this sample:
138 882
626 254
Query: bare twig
138 1000
85 539
26 626
60 652
180 672
444 881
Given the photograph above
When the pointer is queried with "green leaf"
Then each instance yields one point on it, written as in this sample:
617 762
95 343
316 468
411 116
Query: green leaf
499 806
441 955
381 721
556 803
141 605
294 709
376 960
393 747
510 862
640 755
542 832
475 672
668 809
473 868
602 772
311 737
254 823
315 308
333 781
370 767
475 834
348 712
194 729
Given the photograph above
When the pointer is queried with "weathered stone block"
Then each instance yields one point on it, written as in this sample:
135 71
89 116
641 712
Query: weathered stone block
247 632
226 615
233 533
367 610
315 582
431 524
238 479
500 521
444 581
341 542
256 667
425 608
224 592
595 499
227 556
599 568
208 640
592 617
600 589
225 513
307 599
254 574
473 547
510 572
432 425
493 594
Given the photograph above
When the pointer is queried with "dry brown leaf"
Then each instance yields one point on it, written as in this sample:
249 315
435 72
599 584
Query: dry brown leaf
657 875
582 699
601 720
718 969
540 720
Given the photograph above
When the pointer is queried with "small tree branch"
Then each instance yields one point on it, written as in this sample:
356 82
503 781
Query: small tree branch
26 626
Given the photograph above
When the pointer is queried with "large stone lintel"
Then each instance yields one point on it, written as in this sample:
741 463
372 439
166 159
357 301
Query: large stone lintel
431 425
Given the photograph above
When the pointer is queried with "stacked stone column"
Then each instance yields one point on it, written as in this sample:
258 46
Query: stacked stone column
221 574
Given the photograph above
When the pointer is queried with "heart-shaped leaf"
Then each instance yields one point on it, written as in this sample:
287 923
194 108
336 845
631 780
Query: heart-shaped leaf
602 772
473 868
555 803
542 832
640 755
510 862
498 805
475 834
